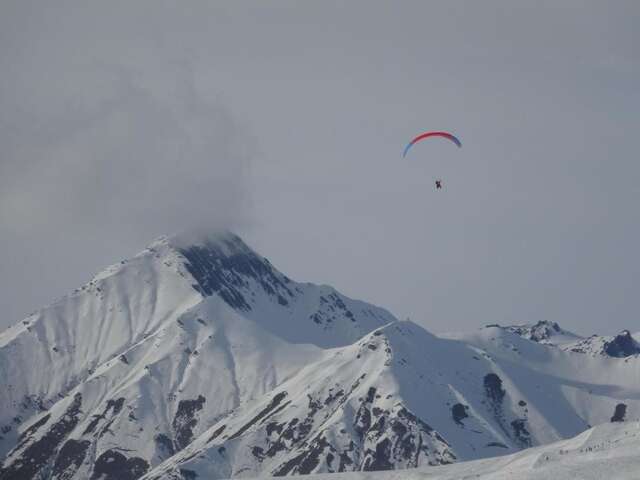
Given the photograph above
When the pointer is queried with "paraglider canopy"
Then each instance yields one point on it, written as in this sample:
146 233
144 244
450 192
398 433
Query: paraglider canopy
424 135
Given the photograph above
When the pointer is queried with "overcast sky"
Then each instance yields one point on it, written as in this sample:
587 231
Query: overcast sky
286 121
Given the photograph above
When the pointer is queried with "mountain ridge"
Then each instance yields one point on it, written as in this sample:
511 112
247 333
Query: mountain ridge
622 345
198 355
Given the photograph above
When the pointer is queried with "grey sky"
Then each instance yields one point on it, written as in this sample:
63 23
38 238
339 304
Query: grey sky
121 121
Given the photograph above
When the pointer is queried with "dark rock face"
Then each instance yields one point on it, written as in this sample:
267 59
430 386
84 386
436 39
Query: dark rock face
493 388
388 440
381 458
330 307
372 437
307 461
285 437
26 408
459 412
185 420
164 446
28 433
70 458
228 267
217 433
225 267
619 413
541 331
268 410
112 465
520 432
188 474
115 407
384 440
495 395
41 452
622 346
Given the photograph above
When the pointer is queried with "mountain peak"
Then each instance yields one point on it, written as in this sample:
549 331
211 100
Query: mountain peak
622 345
543 331
221 238
221 263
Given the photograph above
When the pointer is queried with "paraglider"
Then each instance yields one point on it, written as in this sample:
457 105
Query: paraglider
424 135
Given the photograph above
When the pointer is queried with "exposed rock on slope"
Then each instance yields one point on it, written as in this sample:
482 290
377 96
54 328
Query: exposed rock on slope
198 358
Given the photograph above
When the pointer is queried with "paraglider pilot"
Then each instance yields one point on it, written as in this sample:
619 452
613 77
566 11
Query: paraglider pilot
438 184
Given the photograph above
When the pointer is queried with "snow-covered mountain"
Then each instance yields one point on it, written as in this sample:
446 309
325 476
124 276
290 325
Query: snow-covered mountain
188 329
622 345
545 332
198 359
401 397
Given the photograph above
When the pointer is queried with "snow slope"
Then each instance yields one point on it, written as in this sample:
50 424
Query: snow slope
133 359
607 451
198 357
401 397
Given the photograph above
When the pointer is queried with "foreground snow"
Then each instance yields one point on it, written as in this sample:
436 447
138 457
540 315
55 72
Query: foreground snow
609 452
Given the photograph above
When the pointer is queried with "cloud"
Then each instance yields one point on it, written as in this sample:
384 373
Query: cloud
107 142
132 158
119 122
